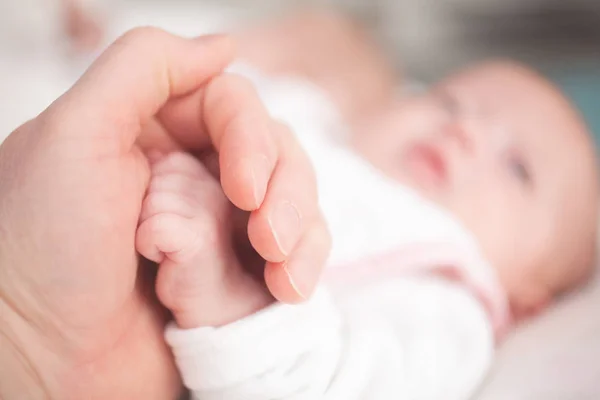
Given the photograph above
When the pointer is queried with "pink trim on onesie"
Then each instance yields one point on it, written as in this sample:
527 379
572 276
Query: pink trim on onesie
438 258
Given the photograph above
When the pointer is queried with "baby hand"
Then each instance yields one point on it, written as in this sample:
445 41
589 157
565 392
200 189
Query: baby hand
263 170
186 227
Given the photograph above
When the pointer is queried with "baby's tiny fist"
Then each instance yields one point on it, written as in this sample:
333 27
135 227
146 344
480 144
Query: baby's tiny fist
185 225
180 211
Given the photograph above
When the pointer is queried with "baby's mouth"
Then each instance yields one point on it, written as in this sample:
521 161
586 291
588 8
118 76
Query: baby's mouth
427 165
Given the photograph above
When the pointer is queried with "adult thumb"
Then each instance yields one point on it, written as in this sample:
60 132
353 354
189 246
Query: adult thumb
133 79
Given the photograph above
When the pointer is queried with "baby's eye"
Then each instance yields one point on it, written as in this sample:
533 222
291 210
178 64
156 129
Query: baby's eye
519 169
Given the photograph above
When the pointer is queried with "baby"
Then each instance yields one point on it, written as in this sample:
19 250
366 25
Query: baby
39 23
81 25
454 214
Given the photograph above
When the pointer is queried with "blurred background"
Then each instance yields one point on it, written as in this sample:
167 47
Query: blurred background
557 356
425 39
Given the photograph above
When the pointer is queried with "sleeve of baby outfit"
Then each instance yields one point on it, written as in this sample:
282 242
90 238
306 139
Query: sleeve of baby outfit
402 340
297 102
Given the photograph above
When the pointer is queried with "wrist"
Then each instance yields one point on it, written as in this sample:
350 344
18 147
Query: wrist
238 296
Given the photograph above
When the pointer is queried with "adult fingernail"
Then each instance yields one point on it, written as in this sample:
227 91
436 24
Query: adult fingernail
293 282
254 171
285 224
211 39
222 42
249 178
261 172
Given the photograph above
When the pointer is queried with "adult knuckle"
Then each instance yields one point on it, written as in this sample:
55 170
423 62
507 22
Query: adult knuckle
225 91
56 119
229 84
142 36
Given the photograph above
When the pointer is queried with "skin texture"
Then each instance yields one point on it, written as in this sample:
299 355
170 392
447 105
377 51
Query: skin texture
78 314
502 149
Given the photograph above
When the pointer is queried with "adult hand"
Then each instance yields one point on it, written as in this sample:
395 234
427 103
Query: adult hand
77 320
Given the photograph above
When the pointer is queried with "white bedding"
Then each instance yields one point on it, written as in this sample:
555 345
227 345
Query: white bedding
555 357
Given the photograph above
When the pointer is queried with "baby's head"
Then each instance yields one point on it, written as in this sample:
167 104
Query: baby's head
503 150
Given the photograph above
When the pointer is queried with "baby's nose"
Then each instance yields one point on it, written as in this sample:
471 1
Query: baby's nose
458 133
499 138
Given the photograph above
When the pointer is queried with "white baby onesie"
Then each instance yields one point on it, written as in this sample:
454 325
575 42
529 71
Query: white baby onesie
386 323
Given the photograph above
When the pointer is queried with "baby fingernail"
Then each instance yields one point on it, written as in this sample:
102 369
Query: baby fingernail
285 224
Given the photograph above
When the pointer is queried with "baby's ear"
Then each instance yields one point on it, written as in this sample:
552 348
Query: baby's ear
542 301
532 303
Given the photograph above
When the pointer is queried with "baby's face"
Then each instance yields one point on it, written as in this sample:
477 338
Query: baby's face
503 151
